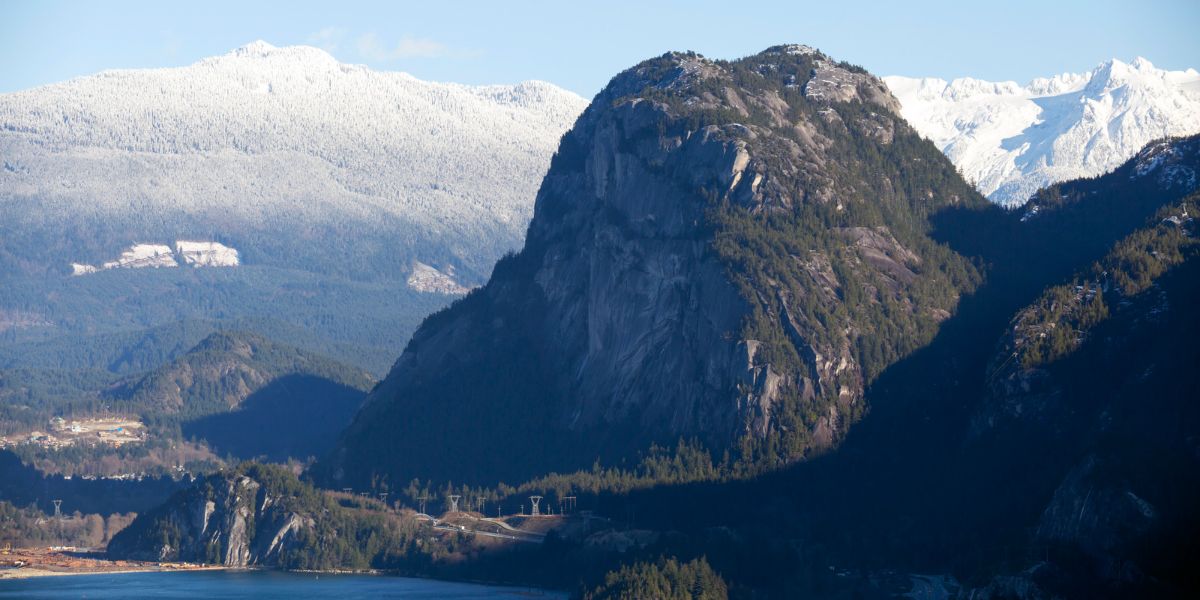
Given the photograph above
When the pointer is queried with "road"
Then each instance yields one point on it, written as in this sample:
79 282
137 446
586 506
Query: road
520 534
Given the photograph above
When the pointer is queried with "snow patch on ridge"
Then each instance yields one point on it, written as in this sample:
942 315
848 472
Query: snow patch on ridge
206 254
425 278
142 256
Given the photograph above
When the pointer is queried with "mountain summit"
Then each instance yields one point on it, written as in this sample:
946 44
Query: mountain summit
259 50
1011 140
722 250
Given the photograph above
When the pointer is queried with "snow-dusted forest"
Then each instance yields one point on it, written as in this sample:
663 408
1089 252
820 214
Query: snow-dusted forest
354 201
267 146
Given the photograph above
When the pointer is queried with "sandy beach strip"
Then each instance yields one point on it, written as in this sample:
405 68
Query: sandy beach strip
30 572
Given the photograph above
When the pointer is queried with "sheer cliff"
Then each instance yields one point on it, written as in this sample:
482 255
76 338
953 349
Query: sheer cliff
722 250
231 521
258 515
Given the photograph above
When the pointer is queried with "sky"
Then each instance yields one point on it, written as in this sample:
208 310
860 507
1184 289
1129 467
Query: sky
580 45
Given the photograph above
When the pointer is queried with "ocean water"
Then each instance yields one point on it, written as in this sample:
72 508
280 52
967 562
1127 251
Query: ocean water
220 585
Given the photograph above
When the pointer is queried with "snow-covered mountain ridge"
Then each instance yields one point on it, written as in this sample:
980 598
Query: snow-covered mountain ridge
279 139
1011 140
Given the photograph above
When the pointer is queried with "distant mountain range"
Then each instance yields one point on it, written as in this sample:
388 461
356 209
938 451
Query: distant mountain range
267 142
317 184
1010 140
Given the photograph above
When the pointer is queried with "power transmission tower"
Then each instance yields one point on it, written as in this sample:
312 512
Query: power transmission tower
423 498
58 520
534 510
454 502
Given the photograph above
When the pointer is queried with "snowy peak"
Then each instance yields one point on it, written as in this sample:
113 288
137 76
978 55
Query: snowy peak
1110 74
262 51
1011 140
1113 74
255 48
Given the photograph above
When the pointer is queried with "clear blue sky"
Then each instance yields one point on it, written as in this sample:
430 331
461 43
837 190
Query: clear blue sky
581 45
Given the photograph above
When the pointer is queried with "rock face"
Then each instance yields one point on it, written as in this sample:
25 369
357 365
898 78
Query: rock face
231 520
708 250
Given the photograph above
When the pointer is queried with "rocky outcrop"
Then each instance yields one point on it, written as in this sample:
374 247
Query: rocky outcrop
231 520
710 245
833 82
1098 516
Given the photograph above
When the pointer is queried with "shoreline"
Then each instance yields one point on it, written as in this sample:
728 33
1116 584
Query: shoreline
35 572
28 572
31 563
28 563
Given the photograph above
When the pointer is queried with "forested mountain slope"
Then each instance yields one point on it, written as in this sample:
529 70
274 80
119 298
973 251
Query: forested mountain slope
276 150
247 396
233 394
1024 465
